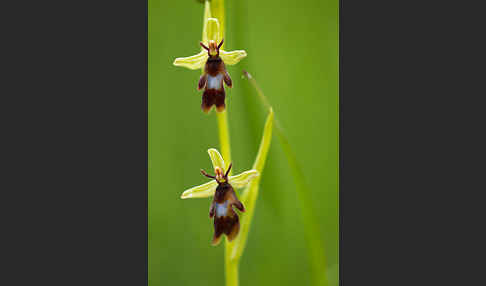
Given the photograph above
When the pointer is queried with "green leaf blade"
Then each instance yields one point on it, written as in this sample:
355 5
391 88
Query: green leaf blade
250 194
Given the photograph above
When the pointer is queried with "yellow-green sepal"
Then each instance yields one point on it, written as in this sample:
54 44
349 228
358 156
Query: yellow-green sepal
193 62
233 57
201 191
241 180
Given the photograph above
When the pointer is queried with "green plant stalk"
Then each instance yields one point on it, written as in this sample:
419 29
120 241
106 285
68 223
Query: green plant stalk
231 266
311 225
224 137
234 249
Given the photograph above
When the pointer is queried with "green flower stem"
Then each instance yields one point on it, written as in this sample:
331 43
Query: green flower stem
224 137
231 267
311 225
233 250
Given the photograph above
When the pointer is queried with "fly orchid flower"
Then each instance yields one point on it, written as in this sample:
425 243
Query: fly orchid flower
213 60
226 220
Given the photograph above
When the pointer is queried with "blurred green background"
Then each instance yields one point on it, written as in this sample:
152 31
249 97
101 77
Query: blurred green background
292 51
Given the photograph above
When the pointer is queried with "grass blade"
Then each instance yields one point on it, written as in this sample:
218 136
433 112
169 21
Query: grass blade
311 226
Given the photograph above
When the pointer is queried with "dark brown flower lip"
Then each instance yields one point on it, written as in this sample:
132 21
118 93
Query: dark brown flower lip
226 220
212 79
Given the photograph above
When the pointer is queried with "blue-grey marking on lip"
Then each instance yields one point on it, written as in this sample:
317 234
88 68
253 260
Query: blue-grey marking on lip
221 209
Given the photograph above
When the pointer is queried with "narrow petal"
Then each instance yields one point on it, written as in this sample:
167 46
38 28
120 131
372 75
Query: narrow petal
213 30
207 15
241 180
217 159
201 191
233 57
193 62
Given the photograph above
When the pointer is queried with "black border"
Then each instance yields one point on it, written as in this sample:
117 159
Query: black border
76 143
411 143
